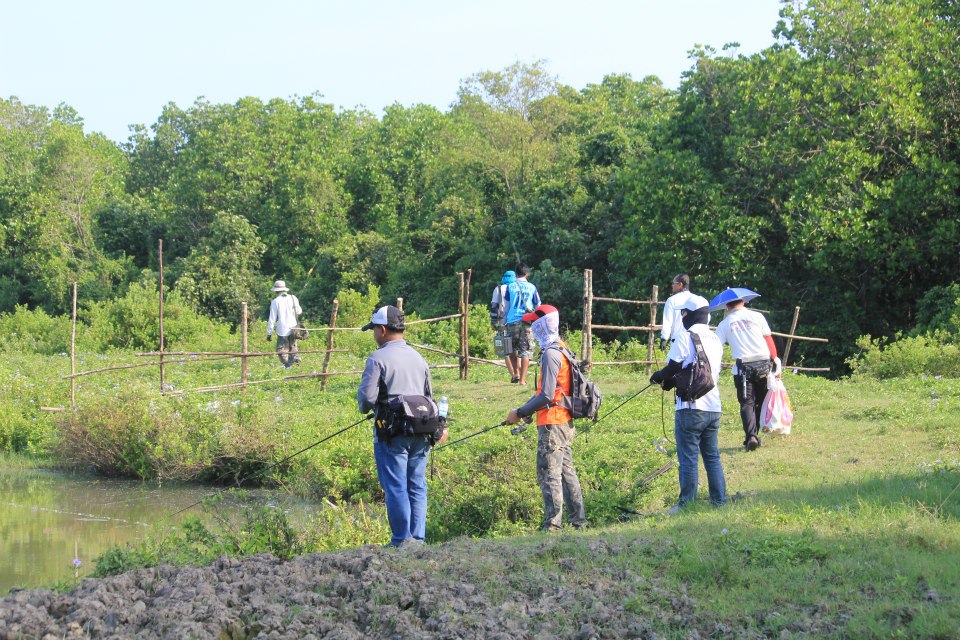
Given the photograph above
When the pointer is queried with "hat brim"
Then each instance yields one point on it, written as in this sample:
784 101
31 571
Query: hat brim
280 289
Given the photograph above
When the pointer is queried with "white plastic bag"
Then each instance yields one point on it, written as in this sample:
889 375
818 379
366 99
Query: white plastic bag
777 413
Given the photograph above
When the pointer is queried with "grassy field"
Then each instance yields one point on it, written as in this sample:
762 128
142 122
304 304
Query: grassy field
846 528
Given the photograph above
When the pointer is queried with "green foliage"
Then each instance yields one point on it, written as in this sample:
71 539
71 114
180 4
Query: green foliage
131 322
221 272
237 525
939 310
34 332
936 354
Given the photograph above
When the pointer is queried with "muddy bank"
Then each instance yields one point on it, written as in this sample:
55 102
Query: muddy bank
560 587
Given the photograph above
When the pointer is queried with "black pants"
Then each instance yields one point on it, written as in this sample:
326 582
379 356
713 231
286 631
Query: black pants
751 390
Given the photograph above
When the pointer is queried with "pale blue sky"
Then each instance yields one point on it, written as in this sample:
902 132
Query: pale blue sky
117 62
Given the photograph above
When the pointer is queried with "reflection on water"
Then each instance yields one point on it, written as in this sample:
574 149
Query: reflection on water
45 515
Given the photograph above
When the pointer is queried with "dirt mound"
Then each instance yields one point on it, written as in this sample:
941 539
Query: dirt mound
561 587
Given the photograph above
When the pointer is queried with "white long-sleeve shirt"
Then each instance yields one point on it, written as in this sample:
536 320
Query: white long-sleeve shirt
284 310
672 325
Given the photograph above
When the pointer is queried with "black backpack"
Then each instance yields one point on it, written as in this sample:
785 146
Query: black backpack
585 398
696 379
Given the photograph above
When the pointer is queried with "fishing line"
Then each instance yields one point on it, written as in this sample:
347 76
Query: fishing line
275 464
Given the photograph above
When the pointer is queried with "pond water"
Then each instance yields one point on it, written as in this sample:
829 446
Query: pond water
49 519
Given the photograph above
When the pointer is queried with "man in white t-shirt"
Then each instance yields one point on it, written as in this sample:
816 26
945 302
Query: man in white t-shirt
697 421
284 310
752 347
672 326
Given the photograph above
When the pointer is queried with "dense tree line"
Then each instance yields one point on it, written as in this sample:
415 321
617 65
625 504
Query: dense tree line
823 171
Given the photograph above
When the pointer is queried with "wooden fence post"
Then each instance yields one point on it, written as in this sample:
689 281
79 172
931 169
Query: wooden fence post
73 352
326 358
400 304
654 293
160 259
466 325
793 329
460 281
586 340
243 343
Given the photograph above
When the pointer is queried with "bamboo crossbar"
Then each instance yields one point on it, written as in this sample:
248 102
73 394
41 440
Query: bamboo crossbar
640 302
223 387
787 335
141 364
619 328
234 354
455 315
433 349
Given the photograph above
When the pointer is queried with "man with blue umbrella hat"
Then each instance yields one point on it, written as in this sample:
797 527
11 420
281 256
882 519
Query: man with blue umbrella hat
751 344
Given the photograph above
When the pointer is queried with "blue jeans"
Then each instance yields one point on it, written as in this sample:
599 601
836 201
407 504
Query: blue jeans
401 469
696 431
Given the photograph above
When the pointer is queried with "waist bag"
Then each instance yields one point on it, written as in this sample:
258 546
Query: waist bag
754 370
409 416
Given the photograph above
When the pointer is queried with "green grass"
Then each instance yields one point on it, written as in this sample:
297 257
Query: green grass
846 528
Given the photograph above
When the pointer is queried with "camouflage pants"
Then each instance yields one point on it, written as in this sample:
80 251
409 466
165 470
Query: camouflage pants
287 350
556 476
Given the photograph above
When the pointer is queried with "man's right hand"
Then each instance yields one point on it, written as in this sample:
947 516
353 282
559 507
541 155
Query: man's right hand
269 338
664 344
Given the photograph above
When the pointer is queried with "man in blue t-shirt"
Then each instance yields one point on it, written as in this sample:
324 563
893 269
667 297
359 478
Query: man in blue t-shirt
520 297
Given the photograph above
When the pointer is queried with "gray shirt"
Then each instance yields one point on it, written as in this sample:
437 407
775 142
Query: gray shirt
392 370
550 361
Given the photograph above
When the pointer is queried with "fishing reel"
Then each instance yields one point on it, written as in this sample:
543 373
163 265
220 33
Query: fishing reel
520 428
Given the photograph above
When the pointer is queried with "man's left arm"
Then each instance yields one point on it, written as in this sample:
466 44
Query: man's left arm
369 390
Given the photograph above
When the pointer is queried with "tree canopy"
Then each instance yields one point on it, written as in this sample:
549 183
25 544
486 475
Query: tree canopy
823 172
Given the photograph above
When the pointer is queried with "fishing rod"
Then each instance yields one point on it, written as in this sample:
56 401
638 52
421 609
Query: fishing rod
515 431
624 402
294 455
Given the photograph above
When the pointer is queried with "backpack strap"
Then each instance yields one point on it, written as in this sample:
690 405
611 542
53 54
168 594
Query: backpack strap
568 354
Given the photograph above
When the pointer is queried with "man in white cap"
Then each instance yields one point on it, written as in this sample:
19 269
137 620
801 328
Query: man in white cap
696 421
397 369
284 310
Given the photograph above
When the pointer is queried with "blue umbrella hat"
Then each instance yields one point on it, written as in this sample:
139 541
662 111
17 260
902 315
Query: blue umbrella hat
731 294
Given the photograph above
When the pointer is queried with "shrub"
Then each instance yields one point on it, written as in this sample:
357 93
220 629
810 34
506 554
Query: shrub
34 332
906 356
132 322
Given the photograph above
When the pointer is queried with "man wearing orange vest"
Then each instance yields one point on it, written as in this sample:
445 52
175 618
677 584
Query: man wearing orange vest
555 431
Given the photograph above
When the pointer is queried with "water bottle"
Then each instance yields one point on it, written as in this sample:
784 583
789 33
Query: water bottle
443 406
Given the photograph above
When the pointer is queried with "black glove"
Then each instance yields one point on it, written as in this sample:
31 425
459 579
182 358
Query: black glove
664 344
269 339
657 377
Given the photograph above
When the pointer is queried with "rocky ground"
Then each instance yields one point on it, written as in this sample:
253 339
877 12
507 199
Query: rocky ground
559 587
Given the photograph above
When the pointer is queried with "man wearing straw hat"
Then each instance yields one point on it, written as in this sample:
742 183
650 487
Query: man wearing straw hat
284 310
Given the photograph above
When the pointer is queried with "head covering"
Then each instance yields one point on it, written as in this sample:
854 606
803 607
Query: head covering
388 316
695 310
508 277
279 285
544 323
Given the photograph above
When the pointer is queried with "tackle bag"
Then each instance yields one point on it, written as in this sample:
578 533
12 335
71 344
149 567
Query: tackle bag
502 343
696 379
776 416
300 331
585 397
408 416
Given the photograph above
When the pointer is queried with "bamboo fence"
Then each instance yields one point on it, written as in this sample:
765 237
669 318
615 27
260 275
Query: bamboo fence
651 328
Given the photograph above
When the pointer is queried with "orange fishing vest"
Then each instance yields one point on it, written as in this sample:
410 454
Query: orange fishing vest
554 413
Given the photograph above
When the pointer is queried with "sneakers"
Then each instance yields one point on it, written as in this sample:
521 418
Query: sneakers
753 443
674 510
